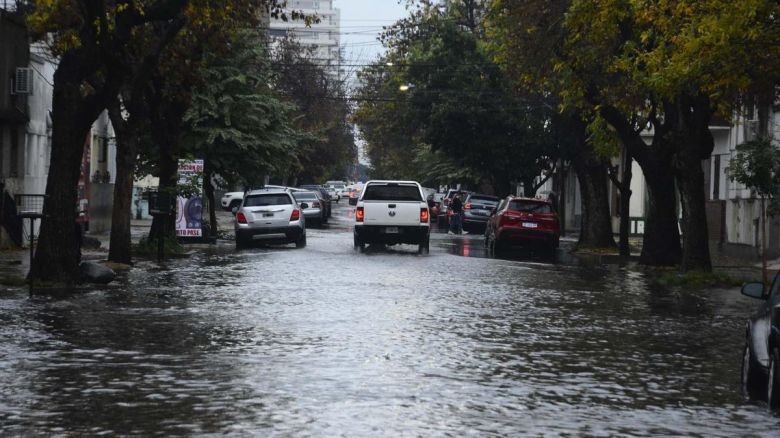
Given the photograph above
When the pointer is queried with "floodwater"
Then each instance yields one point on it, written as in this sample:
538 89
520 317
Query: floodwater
325 341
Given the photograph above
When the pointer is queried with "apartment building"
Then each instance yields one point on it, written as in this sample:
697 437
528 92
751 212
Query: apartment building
322 37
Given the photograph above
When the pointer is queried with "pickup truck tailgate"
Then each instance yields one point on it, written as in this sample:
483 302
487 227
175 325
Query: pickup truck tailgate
392 213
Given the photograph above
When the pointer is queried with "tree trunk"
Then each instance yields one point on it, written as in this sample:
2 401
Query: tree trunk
166 225
690 116
120 249
596 227
625 206
529 189
696 248
56 258
661 239
208 190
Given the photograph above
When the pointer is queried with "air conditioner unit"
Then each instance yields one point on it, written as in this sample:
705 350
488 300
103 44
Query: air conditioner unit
23 81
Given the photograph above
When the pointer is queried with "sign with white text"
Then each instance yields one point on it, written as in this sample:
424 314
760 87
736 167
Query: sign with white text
189 211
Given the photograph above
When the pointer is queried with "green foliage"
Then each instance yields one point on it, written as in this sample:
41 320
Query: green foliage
320 110
236 122
603 137
461 118
756 165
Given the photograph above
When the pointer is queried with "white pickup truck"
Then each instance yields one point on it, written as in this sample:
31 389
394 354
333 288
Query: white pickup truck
390 213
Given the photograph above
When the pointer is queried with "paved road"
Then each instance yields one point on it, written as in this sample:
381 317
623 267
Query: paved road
325 341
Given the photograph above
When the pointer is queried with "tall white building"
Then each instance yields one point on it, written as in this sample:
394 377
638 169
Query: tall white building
322 37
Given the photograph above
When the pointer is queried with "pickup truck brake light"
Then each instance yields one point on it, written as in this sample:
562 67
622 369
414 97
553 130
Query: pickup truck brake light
359 214
424 215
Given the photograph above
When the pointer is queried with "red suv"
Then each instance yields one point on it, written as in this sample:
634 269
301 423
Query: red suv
523 222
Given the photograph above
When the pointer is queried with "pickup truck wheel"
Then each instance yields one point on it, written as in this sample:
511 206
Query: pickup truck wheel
424 247
301 243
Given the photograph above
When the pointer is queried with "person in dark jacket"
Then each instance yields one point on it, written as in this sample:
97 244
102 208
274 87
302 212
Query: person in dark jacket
456 220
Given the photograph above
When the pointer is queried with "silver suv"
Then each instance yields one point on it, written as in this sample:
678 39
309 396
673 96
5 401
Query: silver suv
270 216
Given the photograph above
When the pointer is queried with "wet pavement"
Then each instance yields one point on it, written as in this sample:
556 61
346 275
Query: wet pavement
326 341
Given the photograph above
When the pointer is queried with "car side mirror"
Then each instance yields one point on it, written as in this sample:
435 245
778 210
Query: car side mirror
304 205
754 290
234 210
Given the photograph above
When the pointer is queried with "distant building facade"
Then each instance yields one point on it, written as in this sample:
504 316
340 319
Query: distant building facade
322 37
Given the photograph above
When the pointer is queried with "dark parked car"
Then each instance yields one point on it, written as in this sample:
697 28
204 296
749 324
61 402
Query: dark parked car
327 199
477 210
523 222
761 355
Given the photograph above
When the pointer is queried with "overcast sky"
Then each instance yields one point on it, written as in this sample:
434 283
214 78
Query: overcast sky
361 23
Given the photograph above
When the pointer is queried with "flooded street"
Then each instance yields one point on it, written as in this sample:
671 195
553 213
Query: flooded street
326 341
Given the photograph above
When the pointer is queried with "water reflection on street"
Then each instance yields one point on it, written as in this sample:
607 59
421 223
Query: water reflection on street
328 341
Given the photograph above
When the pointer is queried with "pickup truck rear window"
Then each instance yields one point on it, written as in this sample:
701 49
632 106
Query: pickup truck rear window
400 192
531 207
266 200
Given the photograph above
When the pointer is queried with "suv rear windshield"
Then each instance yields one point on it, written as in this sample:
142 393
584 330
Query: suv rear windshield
395 192
530 207
266 200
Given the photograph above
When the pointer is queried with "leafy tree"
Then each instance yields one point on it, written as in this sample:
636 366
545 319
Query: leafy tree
669 65
321 110
756 165
458 108
236 122
92 40
528 40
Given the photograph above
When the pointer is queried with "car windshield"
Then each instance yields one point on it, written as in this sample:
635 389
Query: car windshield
304 196
531 207
266 200
392 192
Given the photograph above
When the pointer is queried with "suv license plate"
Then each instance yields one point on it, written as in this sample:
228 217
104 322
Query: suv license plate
268 215
391 230
530 225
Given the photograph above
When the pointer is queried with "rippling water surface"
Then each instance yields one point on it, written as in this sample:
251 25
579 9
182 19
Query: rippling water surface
325 341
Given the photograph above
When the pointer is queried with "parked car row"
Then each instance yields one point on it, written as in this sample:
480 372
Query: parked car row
507 223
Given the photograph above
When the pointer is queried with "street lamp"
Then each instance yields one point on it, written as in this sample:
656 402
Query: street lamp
405 87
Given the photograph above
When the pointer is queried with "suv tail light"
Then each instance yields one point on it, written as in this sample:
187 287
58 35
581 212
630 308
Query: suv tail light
296 215
467 206
424 215
359 214
240 218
